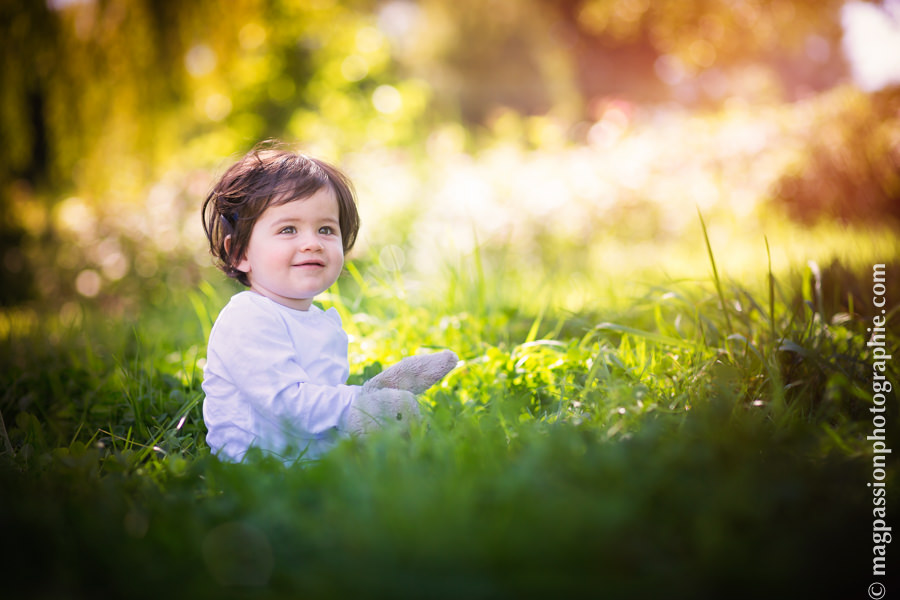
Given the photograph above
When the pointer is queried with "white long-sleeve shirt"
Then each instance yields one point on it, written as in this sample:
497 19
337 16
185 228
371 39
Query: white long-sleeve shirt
275 379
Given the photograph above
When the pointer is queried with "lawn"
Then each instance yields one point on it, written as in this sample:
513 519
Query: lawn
695 438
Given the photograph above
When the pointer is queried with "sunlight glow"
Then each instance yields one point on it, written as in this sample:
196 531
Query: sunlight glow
872 43
77 216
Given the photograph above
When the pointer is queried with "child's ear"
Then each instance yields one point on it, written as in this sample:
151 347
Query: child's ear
241 265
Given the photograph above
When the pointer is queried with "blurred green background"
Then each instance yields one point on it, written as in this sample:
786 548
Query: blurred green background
572 137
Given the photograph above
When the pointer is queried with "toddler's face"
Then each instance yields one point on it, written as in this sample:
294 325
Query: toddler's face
295 250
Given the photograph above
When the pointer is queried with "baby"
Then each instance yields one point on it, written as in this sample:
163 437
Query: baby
276 370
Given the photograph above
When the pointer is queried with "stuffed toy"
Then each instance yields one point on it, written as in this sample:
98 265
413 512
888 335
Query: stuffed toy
389 398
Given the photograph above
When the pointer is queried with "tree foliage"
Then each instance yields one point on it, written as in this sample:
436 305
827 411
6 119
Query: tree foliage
87 84
104 101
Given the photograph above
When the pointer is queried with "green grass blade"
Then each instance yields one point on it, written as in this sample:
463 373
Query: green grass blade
718 282
771 286
648 335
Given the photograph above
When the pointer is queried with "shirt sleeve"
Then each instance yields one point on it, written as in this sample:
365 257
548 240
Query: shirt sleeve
255 354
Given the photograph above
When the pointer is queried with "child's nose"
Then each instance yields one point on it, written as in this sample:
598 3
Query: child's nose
310 241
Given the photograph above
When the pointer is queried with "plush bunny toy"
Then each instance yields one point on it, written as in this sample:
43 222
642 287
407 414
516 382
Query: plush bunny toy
389 398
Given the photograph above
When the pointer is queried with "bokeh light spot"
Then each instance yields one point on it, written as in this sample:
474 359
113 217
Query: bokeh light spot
387 100
200 60
702 53
251 36
77 216
114 266
217 107
88 283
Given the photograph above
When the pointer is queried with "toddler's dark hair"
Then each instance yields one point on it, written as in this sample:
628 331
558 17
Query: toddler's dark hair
269 176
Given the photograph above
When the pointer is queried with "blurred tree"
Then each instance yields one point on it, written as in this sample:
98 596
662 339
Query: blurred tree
104 98
632 47
86 88
89 82
24 151
85 82
480 56
537 55
101 98
851 169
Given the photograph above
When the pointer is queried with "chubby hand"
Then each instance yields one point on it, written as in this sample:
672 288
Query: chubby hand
379 409
415 373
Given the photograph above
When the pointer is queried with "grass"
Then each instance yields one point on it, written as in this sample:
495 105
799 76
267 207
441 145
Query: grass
697 439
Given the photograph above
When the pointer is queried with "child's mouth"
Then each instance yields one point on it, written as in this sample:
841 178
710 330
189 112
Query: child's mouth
311 263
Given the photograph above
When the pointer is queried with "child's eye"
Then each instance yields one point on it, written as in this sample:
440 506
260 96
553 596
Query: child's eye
288 230
326 230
